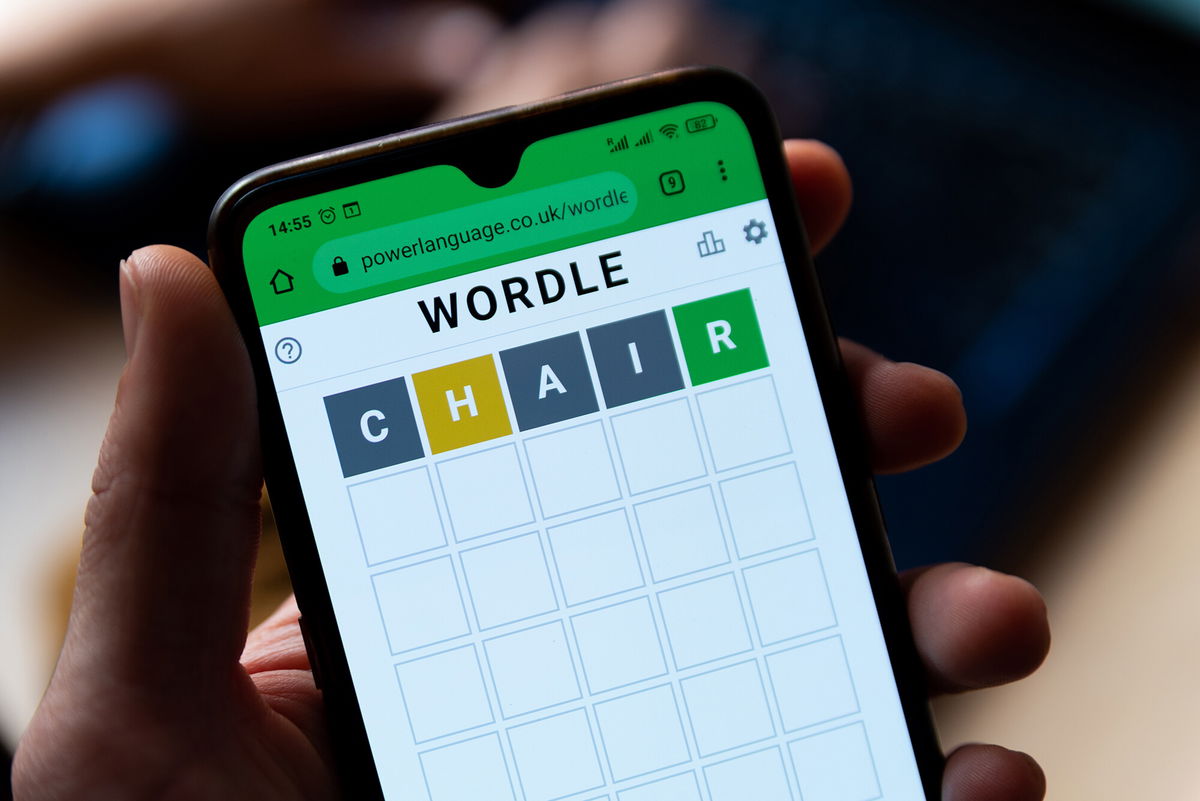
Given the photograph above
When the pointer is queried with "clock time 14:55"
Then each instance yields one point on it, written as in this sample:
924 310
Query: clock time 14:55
290 226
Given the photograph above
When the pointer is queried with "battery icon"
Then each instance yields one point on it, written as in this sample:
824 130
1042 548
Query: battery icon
704 122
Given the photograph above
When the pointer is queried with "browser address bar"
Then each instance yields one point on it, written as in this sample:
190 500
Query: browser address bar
415 247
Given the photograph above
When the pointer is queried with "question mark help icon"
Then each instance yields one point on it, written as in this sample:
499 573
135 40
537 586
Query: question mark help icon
287 350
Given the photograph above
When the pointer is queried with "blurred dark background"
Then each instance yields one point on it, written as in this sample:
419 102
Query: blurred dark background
1027 216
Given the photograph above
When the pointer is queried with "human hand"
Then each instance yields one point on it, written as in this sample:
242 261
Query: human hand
160 693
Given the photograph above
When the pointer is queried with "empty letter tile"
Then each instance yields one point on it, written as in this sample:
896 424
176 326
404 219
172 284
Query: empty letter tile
704 621
444 693
532 669
485 492
836 766
508 581
789 597
572 469
472 770
556 756
619 645
682 787
642 732
397 516
420 604
761 776
681 533
658 446
766 510
743 423
595 557
728 708
812 684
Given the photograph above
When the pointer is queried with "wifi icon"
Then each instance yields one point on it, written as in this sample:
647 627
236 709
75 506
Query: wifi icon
670 130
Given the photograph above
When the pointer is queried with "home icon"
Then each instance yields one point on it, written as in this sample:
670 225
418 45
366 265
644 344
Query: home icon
282 282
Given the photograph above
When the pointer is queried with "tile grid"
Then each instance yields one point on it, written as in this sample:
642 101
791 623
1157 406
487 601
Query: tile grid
655 610
727 534
539 527
726 531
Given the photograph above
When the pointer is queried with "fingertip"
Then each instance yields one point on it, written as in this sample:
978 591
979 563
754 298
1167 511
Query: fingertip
992 773
1037 776
149 254
1011 616
976 627
937 381
153 260
823 188
819 160
933 414
914 414
187 384
169 271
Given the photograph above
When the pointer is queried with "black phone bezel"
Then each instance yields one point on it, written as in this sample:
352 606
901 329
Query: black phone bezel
487 147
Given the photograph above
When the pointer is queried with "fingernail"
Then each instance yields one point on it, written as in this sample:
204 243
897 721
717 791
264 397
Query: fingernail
131 307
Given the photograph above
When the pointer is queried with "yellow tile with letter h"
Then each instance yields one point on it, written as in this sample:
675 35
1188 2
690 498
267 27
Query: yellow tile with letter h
462 404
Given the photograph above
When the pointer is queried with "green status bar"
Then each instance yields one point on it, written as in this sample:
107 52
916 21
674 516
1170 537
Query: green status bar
414 228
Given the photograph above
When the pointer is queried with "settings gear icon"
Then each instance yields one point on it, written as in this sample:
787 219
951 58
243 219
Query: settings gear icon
755 231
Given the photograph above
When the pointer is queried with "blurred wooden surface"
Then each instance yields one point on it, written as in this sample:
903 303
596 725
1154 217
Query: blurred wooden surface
61 351
1112 714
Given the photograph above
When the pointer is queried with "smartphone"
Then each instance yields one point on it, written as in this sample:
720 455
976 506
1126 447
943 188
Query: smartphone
569 480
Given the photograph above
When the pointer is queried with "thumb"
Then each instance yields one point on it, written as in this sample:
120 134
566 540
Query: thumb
162 597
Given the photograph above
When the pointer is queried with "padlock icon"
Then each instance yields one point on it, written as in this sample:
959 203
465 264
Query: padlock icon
339 266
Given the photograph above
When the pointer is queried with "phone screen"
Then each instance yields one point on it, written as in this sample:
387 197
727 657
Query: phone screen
570 479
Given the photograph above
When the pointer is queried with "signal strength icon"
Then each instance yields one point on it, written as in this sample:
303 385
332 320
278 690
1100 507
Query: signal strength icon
646 139
618 145
670 130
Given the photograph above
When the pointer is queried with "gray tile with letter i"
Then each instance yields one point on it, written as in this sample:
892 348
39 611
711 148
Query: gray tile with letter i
635 358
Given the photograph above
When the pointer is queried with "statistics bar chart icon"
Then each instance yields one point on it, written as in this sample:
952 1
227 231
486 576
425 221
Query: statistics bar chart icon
709 245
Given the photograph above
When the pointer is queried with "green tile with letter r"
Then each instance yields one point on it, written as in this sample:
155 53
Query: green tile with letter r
720 336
